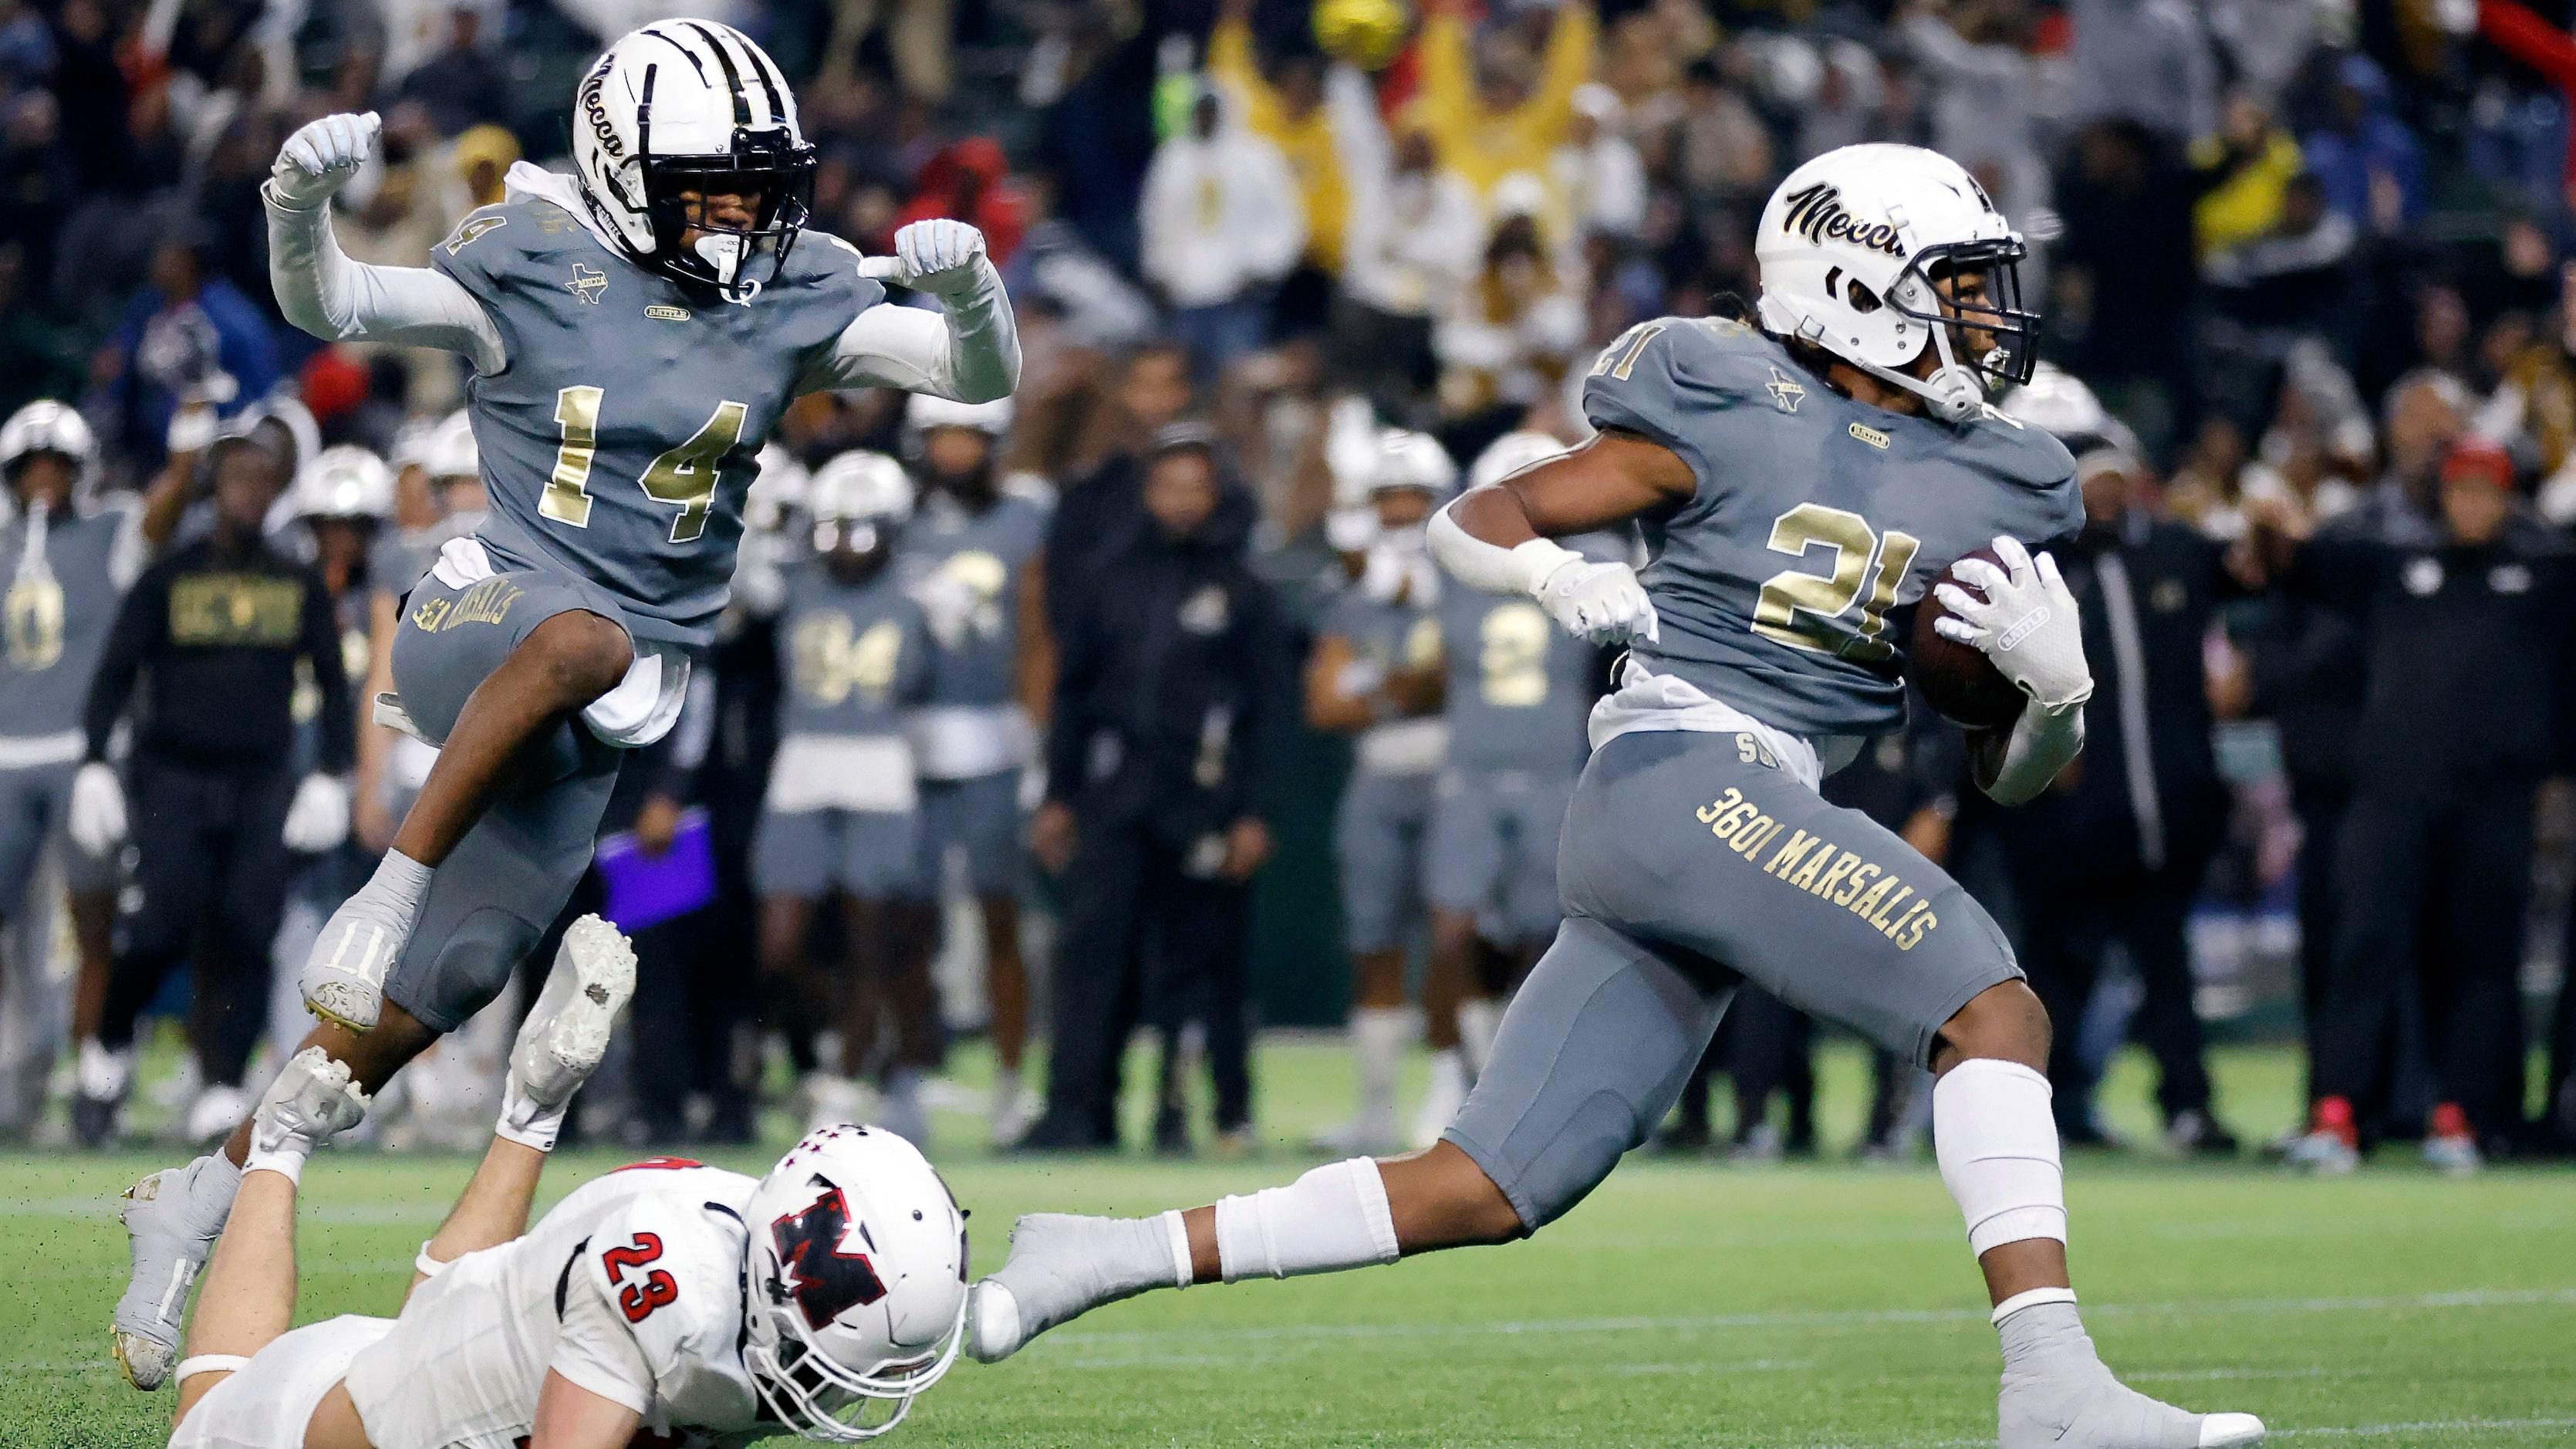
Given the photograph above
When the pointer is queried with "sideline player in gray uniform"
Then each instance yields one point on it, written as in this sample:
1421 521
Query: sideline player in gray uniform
391 764
634 331
1797 480
842 811
69 562
972 557
1375 674
1519 691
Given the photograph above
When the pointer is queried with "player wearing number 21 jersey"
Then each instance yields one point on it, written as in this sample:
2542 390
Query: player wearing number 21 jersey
634 330
1799 478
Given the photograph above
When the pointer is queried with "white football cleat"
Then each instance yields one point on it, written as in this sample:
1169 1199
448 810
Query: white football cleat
2324 1153
1370 1132
216 1112
312 1098
171 1221
565 1037
2087 1408
343 979
836 1101
1063 1265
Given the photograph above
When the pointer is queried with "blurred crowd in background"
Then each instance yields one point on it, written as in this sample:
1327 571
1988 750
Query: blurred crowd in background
1286 274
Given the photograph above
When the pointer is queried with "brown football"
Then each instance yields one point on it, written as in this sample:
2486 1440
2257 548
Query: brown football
1958 679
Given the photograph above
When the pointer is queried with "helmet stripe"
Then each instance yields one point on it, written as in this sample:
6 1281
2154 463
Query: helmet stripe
644 122
733 77
769 81
694 63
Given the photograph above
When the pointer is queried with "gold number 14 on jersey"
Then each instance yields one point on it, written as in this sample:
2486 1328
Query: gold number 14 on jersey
685 476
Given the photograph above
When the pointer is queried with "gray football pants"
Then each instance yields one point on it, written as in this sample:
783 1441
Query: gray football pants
1689 862
497 892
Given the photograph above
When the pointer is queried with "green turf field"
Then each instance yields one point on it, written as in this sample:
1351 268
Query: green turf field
1684 1304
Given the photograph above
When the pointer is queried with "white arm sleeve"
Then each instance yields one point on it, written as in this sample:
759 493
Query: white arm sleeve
325 293
2041 744
970 354
1490 568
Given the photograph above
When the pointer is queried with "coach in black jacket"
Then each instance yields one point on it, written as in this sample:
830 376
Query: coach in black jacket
2114 851
2469 639
1172 686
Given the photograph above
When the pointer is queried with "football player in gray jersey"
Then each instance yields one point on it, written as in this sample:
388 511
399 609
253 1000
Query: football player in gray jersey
1375 675
68 562
1798 479
974 558
842 810
634 332
1519 691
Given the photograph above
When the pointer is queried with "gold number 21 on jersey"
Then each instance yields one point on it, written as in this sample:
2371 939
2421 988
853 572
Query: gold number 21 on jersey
1805 611
685 476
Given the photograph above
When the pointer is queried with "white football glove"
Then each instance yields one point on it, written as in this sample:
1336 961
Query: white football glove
2027 624
319 817
96 819
1599 603
936 256
320 158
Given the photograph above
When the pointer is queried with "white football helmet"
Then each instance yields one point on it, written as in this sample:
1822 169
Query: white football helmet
924 412
691 105
1851 246
858 1283
346 481
47 426
2058 403
449 451
1510 453
1407 459
859 484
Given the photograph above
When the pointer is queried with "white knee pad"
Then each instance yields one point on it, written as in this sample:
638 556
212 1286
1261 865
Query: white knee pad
1334 1217
1997 1143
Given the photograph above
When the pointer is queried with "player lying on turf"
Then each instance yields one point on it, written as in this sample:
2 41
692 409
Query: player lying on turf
667 1298
1799 479
635 331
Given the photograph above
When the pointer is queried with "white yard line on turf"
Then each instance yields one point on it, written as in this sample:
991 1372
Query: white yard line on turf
2428 1426
2220 1307
2323 1431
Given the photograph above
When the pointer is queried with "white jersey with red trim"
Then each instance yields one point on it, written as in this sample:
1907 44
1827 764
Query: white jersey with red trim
632 1288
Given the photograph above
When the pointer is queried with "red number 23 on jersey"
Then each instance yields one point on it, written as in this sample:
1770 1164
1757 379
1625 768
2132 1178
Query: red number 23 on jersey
639 1298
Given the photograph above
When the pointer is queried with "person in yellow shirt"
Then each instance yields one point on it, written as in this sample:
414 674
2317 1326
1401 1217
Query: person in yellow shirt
1493 106
2245 171
1288 107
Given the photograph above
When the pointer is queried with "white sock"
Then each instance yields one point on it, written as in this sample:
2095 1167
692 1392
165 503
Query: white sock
1377 1050
1332 1218
528 1123
286 1159
1479 1018
212 1183
1997 1145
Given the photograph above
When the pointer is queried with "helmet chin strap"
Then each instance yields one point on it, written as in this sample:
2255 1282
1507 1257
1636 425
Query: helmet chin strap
1952 392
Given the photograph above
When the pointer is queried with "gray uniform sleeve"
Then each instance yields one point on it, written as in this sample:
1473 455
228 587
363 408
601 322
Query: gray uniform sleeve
322 291
969 353
1669 379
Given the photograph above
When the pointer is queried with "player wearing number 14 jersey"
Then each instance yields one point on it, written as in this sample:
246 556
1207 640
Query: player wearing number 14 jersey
1797 479
634 331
